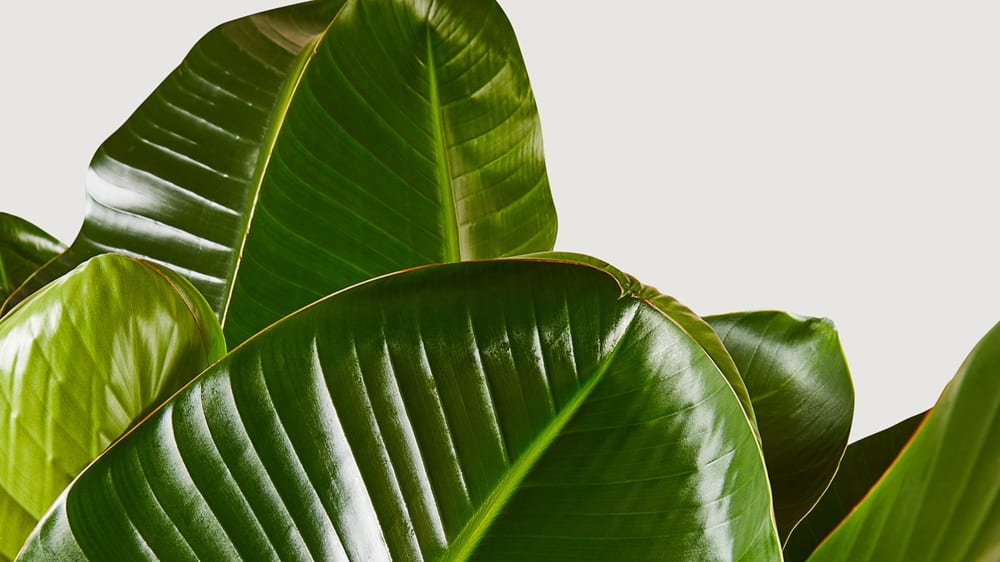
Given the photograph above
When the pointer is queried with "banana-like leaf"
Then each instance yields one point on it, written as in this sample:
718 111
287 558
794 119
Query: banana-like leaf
496 410
80 361
23 249
864 462
801 390
940 500
302 150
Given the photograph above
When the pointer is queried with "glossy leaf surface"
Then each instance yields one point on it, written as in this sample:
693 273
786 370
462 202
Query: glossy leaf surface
80 361
505 410
302 150
694 325
940 500
23 249
864 462
801 390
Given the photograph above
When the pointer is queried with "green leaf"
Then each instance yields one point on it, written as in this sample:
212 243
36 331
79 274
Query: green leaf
302 150
80 361
694 325
940 500
801 390
864 462
23 249
495 410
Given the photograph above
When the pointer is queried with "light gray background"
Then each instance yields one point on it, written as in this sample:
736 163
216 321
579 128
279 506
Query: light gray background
834 159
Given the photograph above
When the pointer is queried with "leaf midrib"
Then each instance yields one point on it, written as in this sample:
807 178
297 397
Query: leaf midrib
465 543
450 237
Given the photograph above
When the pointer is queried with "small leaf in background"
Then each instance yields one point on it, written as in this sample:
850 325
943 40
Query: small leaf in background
299 151
23 249
940 500
864 462
800 387
494 410
80 361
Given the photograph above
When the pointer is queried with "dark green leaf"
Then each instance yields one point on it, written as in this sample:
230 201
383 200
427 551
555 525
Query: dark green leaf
864 462
302 150
23 249
694 325
798 381
505 410
80 361
940 500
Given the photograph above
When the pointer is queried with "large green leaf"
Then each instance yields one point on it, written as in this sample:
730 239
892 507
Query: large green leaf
23 249
80 361
500 410
802 395
940 500
864 462
299 151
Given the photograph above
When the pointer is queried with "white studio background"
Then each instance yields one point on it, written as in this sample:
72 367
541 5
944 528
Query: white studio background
834 159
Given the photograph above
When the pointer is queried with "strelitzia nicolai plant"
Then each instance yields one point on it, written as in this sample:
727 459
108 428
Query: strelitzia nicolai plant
546 406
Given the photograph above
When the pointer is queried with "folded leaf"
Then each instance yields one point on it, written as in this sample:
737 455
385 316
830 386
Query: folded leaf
23 249
305 149
864 462
940 500
506 410
798 381
80 361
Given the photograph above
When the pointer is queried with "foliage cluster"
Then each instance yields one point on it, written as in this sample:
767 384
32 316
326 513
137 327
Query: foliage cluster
314 312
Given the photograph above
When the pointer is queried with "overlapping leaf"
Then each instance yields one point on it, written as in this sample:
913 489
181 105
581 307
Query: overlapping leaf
508 410
299 151
80 361
23 249
798 381
940 500
864 462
